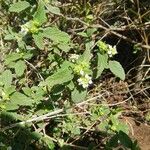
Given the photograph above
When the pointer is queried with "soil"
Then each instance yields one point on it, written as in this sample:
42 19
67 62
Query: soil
134 109
141 133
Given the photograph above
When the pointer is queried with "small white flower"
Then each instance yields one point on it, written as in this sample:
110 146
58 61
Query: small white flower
25 28
82 72
17 50
74 57
85 81
87 77
90 82
109 52
85 86
112 50
80 81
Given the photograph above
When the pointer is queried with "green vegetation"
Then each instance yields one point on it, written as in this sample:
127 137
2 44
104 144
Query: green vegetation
54 53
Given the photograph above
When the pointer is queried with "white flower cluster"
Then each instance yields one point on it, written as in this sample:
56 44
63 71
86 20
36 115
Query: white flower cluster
81 70
31 26
74 57
85 80
111 50
25 28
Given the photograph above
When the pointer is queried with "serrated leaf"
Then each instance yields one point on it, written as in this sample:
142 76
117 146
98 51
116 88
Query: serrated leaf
101 63
83 34
20 67
11 106
56 35
113 142
53 9
62 75
6 78
21 99
64 47
27 91
12 57
78 95
71 85
10 90
87 53
28 55
117 69
38 39
40 14
125 139
9 37
19 6
90 31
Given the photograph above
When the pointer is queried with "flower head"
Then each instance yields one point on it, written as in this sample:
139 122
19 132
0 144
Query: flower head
25 28
74 57
30 26
82 72
85 81
111 50
81 68
102 46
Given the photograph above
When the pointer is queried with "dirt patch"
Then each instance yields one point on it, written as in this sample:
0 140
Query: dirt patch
140 132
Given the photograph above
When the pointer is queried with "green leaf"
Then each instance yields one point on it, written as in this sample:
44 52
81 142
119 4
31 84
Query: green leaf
19 6
40 14
87 55
20 67
12 57
125 139
11 106
117 69
78 95
56 35
53 9
21 99
6 78
101 63
9 37
90 31
27 91
38 39
28 55
48 142
61 76
83 34
71 85
113 142
64 47
9 90
17 99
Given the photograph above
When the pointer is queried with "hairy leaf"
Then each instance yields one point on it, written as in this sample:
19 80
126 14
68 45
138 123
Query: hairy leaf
12 57
20 67
21 99
101 63
56 35
40 14
53 9
6 78
78 95
61 76
117 69
19 6
38 39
